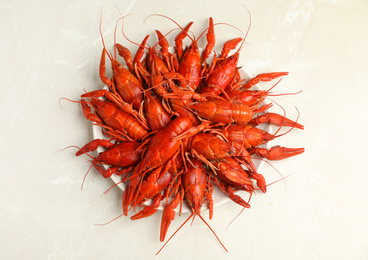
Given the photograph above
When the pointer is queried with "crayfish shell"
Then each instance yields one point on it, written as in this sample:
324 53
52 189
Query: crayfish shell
218 197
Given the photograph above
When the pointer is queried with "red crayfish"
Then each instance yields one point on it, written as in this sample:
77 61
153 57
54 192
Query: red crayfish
177 124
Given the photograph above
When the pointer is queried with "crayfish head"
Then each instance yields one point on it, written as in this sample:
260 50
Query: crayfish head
234 58
117 68
196 206
105 109
192 55
195 201
256 136
194 47
252 97
109 156
155 62
231 61
205 109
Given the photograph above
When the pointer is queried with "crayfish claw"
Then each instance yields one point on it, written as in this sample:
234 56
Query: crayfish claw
148 210
168 215
145 212
264 77
276 152
236 198
275 119
261 182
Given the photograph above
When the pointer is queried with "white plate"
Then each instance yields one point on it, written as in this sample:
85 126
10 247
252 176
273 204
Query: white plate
218 196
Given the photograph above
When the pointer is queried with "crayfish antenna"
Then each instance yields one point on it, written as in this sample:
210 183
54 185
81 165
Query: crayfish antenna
126 37
248 29
164 16
70 146
213 232
85 176
103 224
295 125
282 179
284 112
175 233
268 91
193 215
74 146
70 100
270 164
116 26
116 184
282 94
102 38
239 213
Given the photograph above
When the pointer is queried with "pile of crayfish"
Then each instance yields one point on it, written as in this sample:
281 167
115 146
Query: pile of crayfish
179 121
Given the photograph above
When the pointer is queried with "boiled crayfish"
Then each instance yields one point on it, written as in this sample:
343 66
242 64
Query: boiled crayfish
176 125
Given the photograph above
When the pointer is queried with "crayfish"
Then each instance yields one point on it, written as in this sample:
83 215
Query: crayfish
177 123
